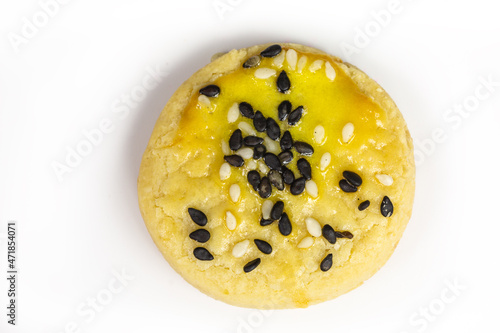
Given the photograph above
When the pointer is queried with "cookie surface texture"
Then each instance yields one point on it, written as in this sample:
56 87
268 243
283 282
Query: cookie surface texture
277 176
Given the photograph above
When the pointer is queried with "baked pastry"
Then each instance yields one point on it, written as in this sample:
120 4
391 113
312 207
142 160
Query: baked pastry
277 176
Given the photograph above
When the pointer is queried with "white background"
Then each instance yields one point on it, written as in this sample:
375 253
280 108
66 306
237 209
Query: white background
77 233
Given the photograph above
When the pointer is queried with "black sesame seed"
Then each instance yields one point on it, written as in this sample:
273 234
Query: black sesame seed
286 141
264 222
364 205
246 110
352 177
271 51
254 179
276 180
200 235
386 208
288 176
343 234
250 266
210 91
326 263
273 129
284 110
277 210
234 160
303 148
284 225
263 246
298 186
197 216
346 187
304 168
295 116
329 234
265 189
201 253
236 140
252 141
259 151
283 82
272 161
259 121
285 157
252 62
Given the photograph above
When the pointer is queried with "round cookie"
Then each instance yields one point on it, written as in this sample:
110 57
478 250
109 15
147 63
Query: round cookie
277 176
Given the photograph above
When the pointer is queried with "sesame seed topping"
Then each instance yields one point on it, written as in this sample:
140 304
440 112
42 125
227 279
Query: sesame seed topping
225 171
304 168
344 234
291 58
264 73
385 179
301 64
253 178
276 180
234 192
225 147
252 165
284 110
313 227
200 235
246 110
263 168
386 207
306 242
259 121
303 148
267 206
364 205
197 216
295 115
250 266
241 248
283 82
246 153
271 145
329 71
258 152
284 225
317 64
271 51
233 113
312 188
288 176
265 189
273 129
329 234
278 60
353 178
286 141
326 263
252 141
285 157
263 246
201 253
346 187
234 160
230 221
319 134
246 128
325 161
272 161
252 62
204 101
298 186
347 132
264 222
236 140
277 210
210 91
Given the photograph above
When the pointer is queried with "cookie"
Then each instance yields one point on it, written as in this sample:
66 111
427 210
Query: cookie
277 176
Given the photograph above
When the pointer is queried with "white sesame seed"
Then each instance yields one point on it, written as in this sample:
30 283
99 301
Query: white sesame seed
312 188
271 145
263 168
330 71
241 248
325 161
316 65
319 134
225 147
347 132
251 165
225 171
264 73
313 227
204 101
234 192
291 58
246 128
385 179
230 221
306 242
278 60
267 206
246 153
233 113
301 64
